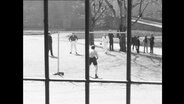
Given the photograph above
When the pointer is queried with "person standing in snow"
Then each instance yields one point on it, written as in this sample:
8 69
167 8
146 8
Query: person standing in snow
105 41
133 42
93 57
151 43
73 39
137 44
145 43
50 44
111 36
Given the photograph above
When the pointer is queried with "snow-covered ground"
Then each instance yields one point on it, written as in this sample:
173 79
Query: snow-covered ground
74 93
111 67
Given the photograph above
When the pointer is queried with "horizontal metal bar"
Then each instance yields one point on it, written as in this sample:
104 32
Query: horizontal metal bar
56 80
94 81
132 82
33 79
106 81
67 80
54 0
153 83
81 32
102 32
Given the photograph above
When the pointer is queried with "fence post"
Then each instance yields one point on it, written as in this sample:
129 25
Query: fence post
46 51
128 87
87 51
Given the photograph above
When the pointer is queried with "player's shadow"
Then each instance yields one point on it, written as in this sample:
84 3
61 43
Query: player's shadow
53 57
110 54
79 54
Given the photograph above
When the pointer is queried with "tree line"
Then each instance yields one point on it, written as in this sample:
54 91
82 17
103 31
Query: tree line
103 14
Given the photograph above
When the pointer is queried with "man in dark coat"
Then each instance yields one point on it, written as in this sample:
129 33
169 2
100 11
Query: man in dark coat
133 40
137 44
151 43
145 43
111 41
50 44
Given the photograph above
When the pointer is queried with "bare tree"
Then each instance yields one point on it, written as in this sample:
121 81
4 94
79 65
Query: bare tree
122 5
99 7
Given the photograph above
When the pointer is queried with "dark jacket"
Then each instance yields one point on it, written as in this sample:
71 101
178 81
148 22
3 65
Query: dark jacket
152 40
73 38
145 40
133 40
111 37
49 42
137 42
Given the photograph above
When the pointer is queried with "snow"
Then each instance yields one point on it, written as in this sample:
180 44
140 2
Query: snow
74 93
111 67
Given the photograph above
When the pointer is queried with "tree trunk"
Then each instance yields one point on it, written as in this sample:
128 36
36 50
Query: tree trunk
91 27
91 35
122 28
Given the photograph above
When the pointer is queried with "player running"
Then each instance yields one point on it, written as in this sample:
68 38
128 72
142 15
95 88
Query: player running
93 57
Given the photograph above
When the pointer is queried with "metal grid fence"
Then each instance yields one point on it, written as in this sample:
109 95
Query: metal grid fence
87 81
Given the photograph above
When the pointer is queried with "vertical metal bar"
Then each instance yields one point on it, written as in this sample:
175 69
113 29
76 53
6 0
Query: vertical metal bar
128 91
87 51
128 88
46 51
58 52
129 42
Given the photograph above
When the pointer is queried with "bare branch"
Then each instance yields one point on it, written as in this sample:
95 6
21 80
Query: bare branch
140 14
136 20
138 3
120 6
100 14
111 7
140 7
99 7
94 7
91 1
125 6
145 7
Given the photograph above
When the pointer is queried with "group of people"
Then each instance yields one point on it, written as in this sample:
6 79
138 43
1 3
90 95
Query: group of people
72 38
146 42
93 55
107 40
